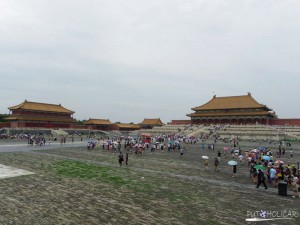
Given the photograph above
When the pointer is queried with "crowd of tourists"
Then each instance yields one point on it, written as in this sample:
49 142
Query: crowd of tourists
264 167
16 136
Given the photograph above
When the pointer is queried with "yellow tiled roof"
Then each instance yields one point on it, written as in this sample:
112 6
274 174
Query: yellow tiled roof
126 125
50 119
232 102
45 107
152 122
231 114
99 122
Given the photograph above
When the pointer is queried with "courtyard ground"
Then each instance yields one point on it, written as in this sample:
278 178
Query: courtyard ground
79 186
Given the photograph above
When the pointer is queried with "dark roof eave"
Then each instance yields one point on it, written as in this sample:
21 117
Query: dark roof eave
264 107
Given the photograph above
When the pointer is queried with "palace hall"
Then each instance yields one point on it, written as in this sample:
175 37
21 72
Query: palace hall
35 114
242 109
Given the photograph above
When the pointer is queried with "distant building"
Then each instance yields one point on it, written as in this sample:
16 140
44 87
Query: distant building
232 110
126 126
150 123
40 115
99 124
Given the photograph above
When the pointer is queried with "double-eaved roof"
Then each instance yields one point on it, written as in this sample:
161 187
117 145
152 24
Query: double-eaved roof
41 107
231 102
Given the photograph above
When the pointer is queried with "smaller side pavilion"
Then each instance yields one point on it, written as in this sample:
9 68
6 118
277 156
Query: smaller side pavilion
126 127
99 124
150 123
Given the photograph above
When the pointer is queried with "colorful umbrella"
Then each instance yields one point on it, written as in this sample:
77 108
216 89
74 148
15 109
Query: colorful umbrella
232 163
225 148
265 157
259 167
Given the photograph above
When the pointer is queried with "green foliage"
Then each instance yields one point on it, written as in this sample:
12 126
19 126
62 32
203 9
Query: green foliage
80 122
2 117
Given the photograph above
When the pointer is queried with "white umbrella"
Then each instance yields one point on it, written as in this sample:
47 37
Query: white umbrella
204 157
232 163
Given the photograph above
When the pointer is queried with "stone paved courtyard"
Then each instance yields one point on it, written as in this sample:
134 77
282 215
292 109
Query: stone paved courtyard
77 186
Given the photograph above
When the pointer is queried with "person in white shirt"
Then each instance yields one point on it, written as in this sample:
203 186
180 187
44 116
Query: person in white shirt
241 159
272 173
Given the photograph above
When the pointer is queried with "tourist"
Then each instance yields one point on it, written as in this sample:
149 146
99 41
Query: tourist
261 179
219 155
181 152
272 174
126 158
291 153
121 158
241 159
294 171
232 153
206 164
294 186
216 164
234 170
249 160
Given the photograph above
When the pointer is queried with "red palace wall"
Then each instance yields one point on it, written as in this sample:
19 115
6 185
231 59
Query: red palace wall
2 125
73 126
181 122
40 114
280 122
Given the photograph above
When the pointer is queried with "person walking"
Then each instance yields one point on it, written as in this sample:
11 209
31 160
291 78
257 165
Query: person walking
181 152
261 179
272 173
126 158
216 164
206 164
219 155
241 157
294 186
121 158
234 170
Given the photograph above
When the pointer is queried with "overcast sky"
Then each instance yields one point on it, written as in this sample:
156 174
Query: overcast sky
135 59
